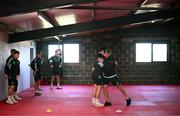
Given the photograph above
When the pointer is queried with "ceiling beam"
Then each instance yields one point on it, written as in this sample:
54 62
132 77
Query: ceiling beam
120 8
48 18
10 28
90 26
12 7
141 2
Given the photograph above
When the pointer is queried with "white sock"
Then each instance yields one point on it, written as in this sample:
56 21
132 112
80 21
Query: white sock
37 91
9 97
51 84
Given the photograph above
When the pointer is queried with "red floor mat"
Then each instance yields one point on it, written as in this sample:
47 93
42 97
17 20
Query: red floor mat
75 100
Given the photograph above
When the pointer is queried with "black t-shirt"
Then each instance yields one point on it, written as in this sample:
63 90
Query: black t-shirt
36 64
109 67
97 71
55 61
14 67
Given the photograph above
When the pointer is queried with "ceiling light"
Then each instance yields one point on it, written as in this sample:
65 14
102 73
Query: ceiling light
56 37
66 19
154 5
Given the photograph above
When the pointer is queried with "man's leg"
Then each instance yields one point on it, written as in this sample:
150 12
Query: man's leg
106 94
10 99
58 81
97 96
128 99
37 83
16 97
94 94
52 81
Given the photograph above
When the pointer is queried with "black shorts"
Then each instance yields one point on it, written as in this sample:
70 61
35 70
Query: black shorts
114 81
37 76
12 81
97 80
57 71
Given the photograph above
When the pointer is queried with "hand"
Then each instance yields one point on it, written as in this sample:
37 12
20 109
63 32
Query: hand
5 76
51 66
93 69
116 63
17 77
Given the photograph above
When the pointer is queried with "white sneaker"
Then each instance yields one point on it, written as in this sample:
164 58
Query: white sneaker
59 87
13 100
98 104
17 98
93 101
9 101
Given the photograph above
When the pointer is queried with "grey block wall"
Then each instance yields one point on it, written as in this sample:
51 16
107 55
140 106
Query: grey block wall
122 45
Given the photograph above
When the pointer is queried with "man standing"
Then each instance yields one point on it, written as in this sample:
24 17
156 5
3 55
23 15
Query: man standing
56 67
13 75
110 76
36 67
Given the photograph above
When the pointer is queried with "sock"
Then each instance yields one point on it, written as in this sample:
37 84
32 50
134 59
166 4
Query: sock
36 91
9 97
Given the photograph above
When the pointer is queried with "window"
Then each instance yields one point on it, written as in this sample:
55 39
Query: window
160 52
143 52
151 52
70 52
52 48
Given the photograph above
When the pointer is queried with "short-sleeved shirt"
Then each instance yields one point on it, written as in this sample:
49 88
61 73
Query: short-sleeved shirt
55 60
14 70
97 74
109 71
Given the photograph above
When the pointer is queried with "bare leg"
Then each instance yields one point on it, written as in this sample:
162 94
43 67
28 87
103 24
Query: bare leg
106 93
94 91
36 86
98 92
128 99
37 83
58 80
97 96
10 99
11 90
121 88
52 80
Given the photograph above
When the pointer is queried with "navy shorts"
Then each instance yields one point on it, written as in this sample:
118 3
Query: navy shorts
57 71
12 81
114 81
37 76
97 80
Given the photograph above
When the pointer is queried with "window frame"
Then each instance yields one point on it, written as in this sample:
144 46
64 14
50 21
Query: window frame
62 51
153 42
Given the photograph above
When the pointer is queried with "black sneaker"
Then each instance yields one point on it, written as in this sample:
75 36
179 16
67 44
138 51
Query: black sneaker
107 103
128 102
37 94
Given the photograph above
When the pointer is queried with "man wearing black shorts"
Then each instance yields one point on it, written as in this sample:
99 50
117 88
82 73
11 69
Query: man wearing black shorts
56 67
13 75
111 77
97 80
36 67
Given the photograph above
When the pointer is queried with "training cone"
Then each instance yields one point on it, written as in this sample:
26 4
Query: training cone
48 110
118 111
